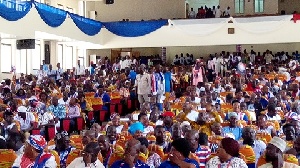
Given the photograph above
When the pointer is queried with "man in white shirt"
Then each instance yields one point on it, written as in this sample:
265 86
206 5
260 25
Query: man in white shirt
218 12
143 84
176 60
268 57
41 74
192 14
182 59
59 73
51 73
26 119
89 157
80 70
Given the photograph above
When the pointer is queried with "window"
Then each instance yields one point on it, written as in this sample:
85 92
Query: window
6 57
259 6
21 61
81 56
68 58
239 6
36 57
60 6
60 54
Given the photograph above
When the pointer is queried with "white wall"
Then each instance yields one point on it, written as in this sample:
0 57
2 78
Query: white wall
137 9
66 3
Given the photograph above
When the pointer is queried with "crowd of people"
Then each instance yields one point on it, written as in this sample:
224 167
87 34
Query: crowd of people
206 12
230 110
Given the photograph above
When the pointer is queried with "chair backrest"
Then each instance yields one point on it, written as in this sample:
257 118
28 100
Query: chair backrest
73 155
8 157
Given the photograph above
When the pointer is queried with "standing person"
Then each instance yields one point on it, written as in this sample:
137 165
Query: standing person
192 14
45 66
198 73
218 65
210 68
80 70
51 73
168 82
218 12
227 12
143 84
59 73
158 86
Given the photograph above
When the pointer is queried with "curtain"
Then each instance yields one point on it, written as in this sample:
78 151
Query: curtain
134 28
52 16
200 27
259 25
86 25
14 10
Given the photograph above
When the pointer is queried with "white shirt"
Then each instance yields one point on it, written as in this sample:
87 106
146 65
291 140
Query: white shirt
148 130
59 73
62 102
276 117
79 163
192 14
143 83
80 70
182 60
25 124
45 118
218 13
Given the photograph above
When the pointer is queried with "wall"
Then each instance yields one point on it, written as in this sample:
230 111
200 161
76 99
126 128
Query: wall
270 7
66 3
289 6
137 9
204 51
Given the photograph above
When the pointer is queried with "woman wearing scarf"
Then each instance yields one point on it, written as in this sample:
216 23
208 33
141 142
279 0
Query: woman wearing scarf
34 155
198 73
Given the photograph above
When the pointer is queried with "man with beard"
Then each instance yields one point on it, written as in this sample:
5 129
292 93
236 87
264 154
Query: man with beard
274 155
159 133
249 138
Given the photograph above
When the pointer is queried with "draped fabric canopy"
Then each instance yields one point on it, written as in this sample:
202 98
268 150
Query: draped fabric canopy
200 27
134 29
52 16
14 10
87 26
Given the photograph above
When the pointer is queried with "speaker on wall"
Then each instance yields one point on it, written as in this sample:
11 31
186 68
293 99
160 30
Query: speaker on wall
47 54
109 1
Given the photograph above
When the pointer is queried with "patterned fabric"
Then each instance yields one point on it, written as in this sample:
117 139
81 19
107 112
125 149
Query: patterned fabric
37 141
58 111
202 154
122 164
233 163
154 160
63 155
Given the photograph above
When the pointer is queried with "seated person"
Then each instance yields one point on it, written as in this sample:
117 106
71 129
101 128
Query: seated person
26 119
178 156
72 113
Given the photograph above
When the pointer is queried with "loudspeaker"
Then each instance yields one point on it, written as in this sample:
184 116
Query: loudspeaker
47 54
109 1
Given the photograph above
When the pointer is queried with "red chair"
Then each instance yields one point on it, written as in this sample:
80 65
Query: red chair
66 124
36 132
97 107
91 115
102 115
120 108
129 104
51 132
115 101
112 108
80 123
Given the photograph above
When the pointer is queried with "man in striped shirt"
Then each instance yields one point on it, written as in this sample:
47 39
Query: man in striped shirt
199 146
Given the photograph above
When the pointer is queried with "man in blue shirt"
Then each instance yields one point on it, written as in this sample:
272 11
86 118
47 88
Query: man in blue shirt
104 96
233 128
132 74
168 81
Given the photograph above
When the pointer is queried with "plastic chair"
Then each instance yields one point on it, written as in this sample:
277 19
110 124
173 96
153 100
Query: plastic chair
8 157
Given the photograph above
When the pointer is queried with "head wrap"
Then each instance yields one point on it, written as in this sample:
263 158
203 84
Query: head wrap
138 126
22 109
232 114
184 123
279 143
292 116
37 141
231 146
169 114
